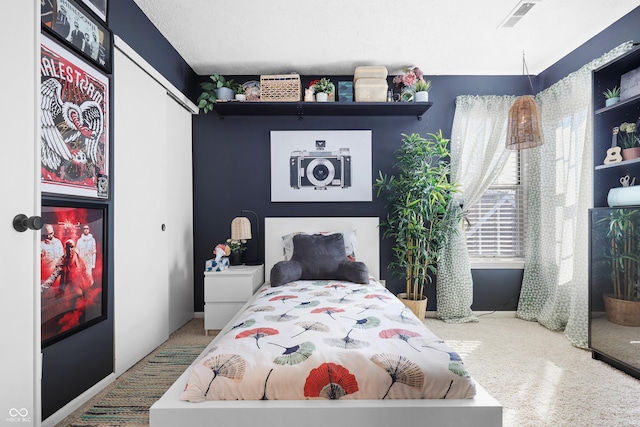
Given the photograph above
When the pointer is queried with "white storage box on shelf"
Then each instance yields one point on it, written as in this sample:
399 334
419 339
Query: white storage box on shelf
370 83
371 90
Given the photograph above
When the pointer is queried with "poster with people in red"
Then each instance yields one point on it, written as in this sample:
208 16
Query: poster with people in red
74 146
71 269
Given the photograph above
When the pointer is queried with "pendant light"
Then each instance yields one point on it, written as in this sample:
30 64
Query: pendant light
524 127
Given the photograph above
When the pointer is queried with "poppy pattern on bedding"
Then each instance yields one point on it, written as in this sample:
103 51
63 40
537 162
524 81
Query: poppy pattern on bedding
327 340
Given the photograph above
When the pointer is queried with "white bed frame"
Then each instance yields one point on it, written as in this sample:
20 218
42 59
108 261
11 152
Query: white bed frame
481 411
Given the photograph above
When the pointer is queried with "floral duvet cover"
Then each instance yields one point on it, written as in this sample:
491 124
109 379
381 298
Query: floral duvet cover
327 340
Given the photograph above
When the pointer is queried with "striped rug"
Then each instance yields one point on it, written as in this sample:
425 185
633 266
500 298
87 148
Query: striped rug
127 405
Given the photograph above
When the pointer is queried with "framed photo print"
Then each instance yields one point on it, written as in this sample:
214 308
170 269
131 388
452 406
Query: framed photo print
74 151
72 24
72 265
321 166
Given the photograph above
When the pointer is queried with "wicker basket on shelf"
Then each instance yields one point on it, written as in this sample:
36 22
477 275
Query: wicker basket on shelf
280 88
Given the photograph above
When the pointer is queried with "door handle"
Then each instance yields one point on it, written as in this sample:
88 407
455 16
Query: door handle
23 223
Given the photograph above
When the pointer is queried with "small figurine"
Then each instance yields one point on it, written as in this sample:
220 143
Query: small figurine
308 95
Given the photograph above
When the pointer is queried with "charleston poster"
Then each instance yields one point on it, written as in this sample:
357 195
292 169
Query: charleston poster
74 146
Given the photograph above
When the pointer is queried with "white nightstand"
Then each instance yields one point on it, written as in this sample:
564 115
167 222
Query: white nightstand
225 292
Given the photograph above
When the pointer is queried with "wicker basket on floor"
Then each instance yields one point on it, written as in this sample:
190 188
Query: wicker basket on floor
280 88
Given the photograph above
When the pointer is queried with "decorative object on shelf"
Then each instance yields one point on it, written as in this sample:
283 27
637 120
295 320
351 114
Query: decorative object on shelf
280 88
252 90
612 96
308 94
370 83
345 91
419 225
524 127
240 95
322 88
410 82
617 235
629 141
613 153
218 88
630 84
421 89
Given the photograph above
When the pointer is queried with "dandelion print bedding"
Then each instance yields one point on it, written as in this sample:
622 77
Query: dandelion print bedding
327 340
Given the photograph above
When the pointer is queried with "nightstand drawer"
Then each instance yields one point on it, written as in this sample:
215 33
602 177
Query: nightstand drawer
236 284
217 315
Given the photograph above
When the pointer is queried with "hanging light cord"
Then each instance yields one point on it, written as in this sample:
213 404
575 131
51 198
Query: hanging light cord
525 68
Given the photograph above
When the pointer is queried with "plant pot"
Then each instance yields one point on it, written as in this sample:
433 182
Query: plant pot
241 97
322 97
224 94
610 101
622 312
236 258
422 96
630 153
418 307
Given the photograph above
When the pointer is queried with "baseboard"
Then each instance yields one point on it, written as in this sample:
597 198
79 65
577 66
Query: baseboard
76 403
434 314
198 314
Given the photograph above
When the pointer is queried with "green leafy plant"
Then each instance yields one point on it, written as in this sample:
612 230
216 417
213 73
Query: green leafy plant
236 245
618 238
422 86
323 85
421 216
612 93
208 97
627 135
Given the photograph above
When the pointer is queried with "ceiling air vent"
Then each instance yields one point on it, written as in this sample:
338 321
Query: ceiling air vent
522 8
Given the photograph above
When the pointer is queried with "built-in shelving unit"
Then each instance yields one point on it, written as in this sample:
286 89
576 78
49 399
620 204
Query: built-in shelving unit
301 109
609 341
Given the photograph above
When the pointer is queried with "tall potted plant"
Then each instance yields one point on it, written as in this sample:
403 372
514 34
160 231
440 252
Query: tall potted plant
618 239
420 218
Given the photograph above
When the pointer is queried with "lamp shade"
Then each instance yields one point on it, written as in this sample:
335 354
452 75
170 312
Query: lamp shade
241 228
524 127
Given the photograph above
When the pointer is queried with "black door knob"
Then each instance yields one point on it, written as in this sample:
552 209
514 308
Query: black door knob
22 223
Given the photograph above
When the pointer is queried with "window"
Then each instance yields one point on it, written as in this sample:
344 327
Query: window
495 226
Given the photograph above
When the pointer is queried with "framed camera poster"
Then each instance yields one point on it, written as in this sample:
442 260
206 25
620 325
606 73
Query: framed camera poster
321 166
72 24
72 281
74 151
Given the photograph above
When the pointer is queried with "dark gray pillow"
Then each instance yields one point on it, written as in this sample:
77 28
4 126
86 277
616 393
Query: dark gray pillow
284 272
323 257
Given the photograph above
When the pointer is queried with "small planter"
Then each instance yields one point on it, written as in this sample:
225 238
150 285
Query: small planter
224 94
630 153
622 312
236 258
418 307
322 97
610 101
422 96
241 97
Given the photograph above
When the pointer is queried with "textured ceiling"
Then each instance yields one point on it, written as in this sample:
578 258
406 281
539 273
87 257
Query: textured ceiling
332 37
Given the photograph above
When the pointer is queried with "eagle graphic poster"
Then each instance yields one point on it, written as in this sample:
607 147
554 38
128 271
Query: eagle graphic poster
74 141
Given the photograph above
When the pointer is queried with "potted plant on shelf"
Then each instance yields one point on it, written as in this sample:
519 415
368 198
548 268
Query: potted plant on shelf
240 94
322 88
617 242
407 83
611 96
629 141
420 218
218 88
421 89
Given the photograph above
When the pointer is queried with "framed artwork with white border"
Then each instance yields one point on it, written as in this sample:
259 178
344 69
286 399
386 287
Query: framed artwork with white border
74 121
321 166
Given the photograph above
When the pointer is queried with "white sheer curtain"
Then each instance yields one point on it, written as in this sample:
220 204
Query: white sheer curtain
477 158
555 283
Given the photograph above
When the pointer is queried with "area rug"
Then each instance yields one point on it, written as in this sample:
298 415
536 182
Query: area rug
128 404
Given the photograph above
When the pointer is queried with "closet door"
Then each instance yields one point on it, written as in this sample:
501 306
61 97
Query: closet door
180 214
140 177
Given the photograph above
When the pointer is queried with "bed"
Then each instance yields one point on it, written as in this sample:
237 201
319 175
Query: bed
349 397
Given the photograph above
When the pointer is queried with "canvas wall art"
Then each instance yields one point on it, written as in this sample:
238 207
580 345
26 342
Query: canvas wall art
321 166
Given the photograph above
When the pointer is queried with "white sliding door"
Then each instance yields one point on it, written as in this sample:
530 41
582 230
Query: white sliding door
141 291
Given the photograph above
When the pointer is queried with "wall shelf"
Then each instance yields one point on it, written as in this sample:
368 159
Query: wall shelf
301 109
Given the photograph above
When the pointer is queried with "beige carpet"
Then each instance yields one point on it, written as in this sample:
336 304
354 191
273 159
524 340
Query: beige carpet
538 377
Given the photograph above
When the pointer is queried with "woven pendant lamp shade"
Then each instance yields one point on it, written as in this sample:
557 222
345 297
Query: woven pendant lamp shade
241 228
524 127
